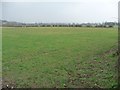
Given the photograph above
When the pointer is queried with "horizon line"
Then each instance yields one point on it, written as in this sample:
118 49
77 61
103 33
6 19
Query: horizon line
56 22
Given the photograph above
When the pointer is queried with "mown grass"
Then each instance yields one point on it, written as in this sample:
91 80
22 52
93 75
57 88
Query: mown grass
59 57
0 57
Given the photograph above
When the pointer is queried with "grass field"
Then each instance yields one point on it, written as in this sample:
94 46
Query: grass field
59 57
0 58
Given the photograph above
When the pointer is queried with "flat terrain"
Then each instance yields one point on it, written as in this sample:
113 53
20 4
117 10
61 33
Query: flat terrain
0 57
59 57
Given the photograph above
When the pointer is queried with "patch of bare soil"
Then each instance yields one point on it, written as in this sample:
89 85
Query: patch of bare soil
8 83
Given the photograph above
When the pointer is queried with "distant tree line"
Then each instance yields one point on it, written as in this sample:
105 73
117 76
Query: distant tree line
5 23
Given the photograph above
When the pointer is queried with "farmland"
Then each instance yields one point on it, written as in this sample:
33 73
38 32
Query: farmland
76 57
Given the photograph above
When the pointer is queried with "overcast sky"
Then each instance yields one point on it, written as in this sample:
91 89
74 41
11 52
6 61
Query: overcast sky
60 11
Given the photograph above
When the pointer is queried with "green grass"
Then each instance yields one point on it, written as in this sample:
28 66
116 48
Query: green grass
59 57
0 58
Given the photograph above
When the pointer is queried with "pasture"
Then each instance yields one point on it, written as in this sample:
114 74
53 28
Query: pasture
59 57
